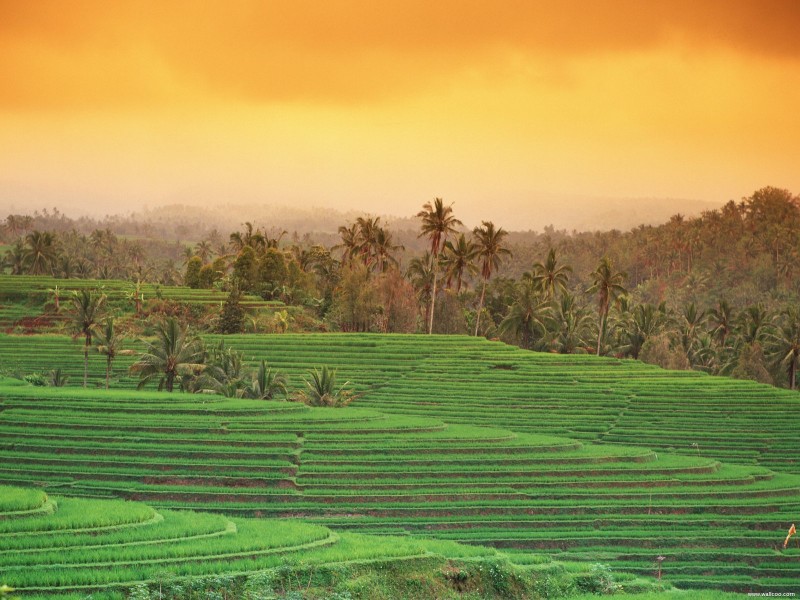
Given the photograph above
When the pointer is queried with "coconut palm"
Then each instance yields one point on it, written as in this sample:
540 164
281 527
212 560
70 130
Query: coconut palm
87 306
351 242
266 384
203 250
321 390
367 232
173 355
383 249
784 344
457 260
490 252
720 319
14 258
420 274
572 326
109 344
438 223
526 316
40 252
754 325
549 276
223 374
608 286
647 320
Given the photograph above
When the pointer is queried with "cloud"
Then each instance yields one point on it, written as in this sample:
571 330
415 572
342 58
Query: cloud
96 54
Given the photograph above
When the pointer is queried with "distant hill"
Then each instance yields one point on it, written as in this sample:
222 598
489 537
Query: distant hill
523 213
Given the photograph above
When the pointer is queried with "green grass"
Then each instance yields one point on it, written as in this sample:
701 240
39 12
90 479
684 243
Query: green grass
584 458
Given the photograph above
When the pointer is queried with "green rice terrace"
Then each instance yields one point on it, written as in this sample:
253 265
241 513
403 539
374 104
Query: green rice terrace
24 298
571 458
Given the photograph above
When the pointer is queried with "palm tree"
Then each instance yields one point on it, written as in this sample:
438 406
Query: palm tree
40 252
784 344
526 316
571 326
438 223
721 320
457 260
173 355
88 305
203 250
15 258
351 242
321 390
266 384
549 276
647 320
222 373
420 273
367 232
382 249
490 252
753 324
110 345
608 287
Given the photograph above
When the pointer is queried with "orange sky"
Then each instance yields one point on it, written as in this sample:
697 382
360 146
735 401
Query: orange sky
383 105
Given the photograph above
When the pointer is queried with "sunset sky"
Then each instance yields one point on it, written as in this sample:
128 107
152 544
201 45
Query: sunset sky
381 105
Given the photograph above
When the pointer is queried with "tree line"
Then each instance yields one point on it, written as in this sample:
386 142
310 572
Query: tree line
716 293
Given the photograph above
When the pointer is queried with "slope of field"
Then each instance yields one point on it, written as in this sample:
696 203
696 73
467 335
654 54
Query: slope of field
23 298
461 450
477 382
69 544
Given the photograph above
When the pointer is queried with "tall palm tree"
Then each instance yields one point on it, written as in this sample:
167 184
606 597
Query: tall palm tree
438 223
367 231
351 242
87 305
490 252
549 276
784 344
110 345
420 274
457 260
608 286
174 354
383 249
721 320
692 322
754 324
40 252
204 250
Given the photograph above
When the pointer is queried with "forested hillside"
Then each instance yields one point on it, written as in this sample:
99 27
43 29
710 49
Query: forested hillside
717 292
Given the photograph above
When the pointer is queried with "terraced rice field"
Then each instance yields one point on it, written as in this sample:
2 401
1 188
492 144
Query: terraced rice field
459 439
23 297
54 545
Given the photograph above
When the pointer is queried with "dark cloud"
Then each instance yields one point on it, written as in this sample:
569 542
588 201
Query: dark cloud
95 53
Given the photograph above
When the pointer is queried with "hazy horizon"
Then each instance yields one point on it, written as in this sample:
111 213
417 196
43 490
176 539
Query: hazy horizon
519 113
601 215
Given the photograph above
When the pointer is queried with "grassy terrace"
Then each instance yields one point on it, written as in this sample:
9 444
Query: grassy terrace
64 548
472 381
459 439
79 544
23 297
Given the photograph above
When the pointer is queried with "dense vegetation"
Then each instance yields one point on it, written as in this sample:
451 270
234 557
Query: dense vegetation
447 439
455 438
715 293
